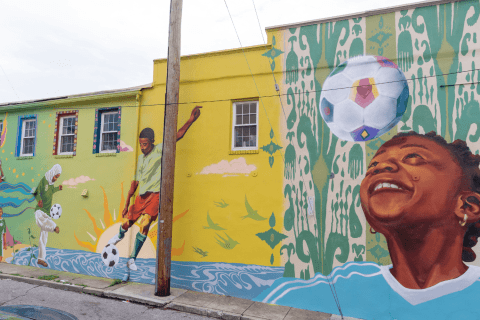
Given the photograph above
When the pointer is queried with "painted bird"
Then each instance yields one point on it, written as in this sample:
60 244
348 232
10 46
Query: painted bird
228 243
212 225
252 213
222 204
200 252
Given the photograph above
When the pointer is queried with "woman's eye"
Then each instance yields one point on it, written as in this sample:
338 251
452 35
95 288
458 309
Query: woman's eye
372 165
412 155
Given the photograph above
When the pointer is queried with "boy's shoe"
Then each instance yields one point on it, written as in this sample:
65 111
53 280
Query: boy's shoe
42 263
115 239
131 265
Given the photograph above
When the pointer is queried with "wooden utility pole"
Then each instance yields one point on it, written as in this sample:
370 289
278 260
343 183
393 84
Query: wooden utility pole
164 240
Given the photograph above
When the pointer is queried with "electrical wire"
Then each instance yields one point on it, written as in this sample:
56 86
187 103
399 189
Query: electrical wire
330 283
11 86
253 78
282 94
340 88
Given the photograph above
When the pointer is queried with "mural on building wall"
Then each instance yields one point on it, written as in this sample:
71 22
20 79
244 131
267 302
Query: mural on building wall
435 48
345 195
422 194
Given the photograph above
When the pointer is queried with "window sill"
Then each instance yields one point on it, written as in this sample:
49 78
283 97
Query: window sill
25 157
106 154
244 151
63 156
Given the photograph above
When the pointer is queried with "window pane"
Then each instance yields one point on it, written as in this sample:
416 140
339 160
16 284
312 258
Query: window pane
67 144
68 126
239 120
239 108
253 130
29 131
28 145
253 108
245 108
245 119
109 141
246 131
253 118
238 137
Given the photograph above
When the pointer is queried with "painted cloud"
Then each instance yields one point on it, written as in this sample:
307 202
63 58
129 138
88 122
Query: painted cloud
72 183
232 168
125 147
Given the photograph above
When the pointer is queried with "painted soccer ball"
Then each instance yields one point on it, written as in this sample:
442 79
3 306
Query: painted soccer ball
363 98
110 255
56 211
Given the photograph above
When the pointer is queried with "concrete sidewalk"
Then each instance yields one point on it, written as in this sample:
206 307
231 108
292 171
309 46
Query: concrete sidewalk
206 304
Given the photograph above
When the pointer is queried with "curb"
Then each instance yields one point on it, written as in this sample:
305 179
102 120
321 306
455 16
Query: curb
114 295
46 283
106 293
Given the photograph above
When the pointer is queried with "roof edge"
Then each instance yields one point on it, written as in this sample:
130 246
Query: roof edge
218 52
74 97
367 13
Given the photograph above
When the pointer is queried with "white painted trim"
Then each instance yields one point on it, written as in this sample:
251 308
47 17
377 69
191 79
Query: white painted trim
234 115
59 135
24 122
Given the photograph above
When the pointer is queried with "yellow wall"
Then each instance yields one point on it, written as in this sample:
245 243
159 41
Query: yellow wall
222 77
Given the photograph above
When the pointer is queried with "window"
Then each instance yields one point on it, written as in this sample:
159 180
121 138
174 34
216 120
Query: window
107 130
66 127
245 126
26 136
67 135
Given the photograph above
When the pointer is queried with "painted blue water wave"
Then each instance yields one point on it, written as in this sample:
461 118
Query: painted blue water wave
23 189
14 202
19 187
238 280
9 215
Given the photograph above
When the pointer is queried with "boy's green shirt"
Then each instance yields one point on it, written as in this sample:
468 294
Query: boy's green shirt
45 193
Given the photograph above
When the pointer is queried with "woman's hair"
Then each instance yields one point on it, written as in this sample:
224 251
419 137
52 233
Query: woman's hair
469 163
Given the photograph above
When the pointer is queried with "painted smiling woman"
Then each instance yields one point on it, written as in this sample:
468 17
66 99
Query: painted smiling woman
423 195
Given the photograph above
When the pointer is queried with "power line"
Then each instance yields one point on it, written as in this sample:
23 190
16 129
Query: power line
330 283
11 86
299 92
253 78
340 88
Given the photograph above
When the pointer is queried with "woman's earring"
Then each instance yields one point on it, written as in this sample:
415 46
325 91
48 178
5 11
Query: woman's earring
372 231
464 222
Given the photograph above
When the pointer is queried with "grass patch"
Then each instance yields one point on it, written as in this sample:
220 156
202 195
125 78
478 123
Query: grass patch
114 282
16 274
49 277
81 285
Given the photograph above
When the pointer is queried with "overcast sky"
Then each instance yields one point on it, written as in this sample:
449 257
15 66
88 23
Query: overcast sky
53 48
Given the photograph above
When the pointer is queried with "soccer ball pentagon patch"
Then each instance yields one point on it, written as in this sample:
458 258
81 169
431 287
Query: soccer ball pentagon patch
56 211
110 255
363 98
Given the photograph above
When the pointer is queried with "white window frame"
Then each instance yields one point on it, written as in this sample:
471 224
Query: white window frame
235 125
102 121
24 127
60 134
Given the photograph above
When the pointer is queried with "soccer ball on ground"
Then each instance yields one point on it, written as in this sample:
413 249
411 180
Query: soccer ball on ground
363 98
110 255
56 211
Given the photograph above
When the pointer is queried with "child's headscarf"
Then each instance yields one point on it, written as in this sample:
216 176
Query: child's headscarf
56 169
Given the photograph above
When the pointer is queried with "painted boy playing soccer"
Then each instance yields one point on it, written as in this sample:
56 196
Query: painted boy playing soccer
147 180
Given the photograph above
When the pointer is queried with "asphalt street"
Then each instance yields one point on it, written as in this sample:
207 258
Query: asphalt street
80 305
